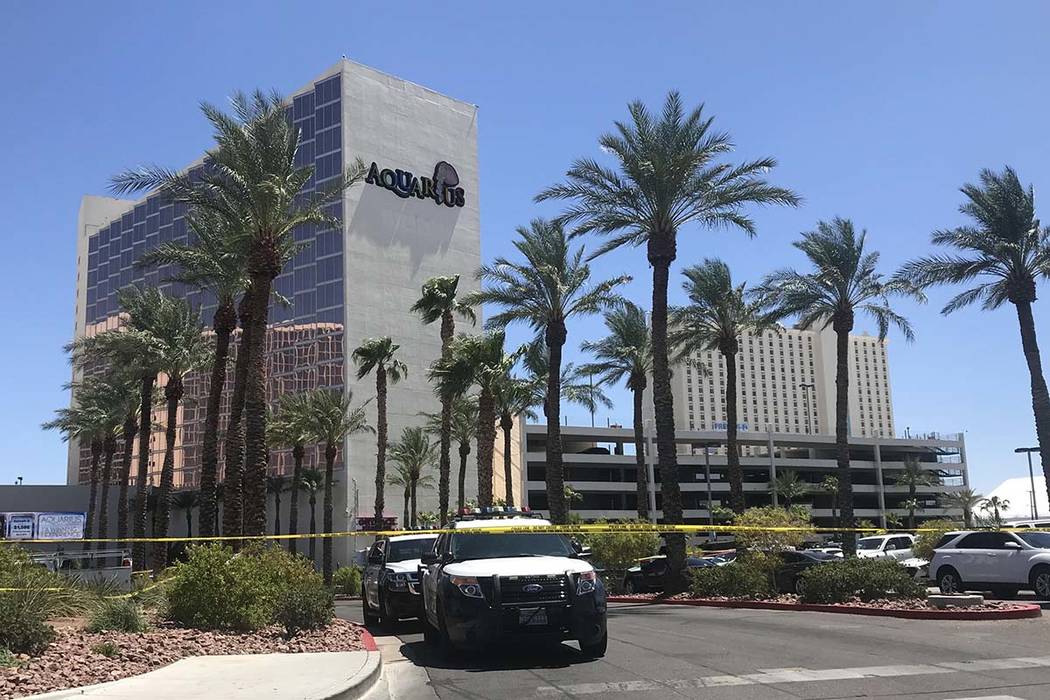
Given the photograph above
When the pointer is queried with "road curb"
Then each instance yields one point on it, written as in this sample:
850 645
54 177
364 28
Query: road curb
1024 612
368 641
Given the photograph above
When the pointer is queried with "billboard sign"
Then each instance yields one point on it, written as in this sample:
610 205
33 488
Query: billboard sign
60 526
20 526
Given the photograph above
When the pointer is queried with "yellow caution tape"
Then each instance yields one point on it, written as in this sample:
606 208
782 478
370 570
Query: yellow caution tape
594 528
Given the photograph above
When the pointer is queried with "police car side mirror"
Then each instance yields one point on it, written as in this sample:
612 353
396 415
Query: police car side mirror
1011 545
584 553
429 558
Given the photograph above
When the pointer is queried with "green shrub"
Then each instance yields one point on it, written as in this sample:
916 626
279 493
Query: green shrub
38 595
867 579
117 615
347 580
620 550
933 531
765 538
305 608
107 649
216 589
750 576
7 659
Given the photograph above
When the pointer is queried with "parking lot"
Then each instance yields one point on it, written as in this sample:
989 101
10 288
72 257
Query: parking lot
665 651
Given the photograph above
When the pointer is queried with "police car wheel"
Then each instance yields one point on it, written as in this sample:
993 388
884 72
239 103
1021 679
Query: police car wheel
369 617
384 611
597 649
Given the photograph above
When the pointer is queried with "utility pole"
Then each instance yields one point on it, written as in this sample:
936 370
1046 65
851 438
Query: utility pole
1031 476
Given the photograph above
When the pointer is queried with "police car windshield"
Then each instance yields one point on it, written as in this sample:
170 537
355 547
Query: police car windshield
531 544
404 550
1036 539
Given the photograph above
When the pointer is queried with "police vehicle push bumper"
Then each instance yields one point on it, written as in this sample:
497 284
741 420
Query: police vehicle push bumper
479 611
401 596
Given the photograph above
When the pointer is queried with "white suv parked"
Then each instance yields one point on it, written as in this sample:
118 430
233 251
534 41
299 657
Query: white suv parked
895 546
1000 562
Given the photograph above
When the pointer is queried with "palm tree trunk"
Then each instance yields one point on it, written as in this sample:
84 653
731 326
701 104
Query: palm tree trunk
313 527
330 451
408 500
380 442
293 510
736 474
162 516
89 527
415 510
224 322
448 328
849 538
256 454
641 473
142 473
464 453
507 424
109 448
1040 397
233 480
555 472
486 442
661 254
189 521
911 506
276 512
131 425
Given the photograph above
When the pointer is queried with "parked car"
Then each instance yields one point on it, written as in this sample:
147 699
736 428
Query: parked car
1032 524
390 582
896 546
1000 562
648 575
786 575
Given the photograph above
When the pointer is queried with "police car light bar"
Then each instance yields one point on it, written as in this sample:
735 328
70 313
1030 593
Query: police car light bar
494 512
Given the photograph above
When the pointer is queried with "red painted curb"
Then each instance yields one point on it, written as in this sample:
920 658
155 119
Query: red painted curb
368 641
1026 611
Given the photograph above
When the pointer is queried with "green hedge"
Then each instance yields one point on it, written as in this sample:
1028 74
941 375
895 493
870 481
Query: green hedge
39 596
750 576
866 579
216 589
347 580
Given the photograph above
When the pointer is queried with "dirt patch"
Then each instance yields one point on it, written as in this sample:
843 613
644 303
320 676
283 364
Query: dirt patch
76 657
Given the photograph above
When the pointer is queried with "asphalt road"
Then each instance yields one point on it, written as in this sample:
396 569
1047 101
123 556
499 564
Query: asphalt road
680 652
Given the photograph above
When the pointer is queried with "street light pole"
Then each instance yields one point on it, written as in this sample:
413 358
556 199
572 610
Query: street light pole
1031 476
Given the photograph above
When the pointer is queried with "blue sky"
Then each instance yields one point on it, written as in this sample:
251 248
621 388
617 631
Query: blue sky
877 112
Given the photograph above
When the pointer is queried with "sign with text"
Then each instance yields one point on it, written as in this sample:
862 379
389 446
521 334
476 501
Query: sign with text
60 526
20 526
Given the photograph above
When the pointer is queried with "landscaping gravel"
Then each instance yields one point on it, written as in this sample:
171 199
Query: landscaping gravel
73 659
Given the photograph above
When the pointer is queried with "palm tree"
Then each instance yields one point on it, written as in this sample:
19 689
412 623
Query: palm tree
136 351
83 422
401 477
414 453
181 348
275 486
626 355
312 481
789 487
251 182
186 501
513 397
996 506
233 475
378 354
438 301
464 427
549 288
718 313
476 360
577 385
668 173
830 486
216 263
333 419
220 489
967 500
844 281
289 426
913 476
1006 250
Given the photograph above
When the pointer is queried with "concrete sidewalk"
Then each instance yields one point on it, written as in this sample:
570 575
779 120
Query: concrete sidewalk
335 675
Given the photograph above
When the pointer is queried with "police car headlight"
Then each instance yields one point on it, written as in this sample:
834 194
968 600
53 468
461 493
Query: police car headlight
467 585
396 581
586 582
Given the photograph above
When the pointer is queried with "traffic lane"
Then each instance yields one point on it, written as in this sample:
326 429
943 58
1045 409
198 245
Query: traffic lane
665 651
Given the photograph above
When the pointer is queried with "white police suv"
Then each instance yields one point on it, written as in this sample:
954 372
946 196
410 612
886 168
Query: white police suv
482 586
390 582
